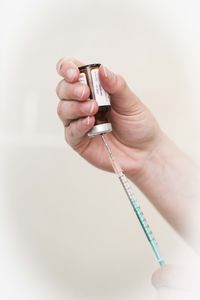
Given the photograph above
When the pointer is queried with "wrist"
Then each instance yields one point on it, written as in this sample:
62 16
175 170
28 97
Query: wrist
170 180
154 157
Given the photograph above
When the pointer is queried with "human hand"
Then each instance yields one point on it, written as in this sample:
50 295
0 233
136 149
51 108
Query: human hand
135 131
177 283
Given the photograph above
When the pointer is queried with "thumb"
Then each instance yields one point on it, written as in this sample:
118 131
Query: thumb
122 98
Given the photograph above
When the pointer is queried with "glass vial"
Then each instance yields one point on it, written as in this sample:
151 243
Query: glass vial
89 75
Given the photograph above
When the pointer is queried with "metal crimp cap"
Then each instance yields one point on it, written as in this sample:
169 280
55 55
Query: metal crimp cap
100 129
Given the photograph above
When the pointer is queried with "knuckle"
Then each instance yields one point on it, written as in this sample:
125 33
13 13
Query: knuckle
64 67
60 109
59 87
70 132
67 135
62 63
73 130
68 110
66 64
59 64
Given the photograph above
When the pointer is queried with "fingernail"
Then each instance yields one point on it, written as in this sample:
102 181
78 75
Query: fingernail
88 120
107 73
71 74
79 91
91 109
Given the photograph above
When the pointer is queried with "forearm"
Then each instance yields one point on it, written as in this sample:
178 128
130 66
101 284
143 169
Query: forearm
171 181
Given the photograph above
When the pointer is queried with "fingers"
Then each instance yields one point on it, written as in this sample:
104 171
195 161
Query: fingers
75 133
73 110
77 91
122 97
68 69
75 103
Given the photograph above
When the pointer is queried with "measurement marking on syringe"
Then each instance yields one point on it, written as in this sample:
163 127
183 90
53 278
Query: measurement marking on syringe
134 204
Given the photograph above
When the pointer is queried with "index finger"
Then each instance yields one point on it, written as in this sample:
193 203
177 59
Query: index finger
68 69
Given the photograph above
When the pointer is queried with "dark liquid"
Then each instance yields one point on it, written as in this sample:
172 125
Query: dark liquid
101 115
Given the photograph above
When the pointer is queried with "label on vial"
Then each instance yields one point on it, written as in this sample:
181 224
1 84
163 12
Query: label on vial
101 96
83 78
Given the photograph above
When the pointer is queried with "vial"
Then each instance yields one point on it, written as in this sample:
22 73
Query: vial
89 75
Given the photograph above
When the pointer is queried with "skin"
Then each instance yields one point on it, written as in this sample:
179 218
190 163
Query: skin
147 156
168 177
128 114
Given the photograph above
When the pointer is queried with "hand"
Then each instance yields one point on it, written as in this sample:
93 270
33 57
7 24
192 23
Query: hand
168 178
135 132
177 282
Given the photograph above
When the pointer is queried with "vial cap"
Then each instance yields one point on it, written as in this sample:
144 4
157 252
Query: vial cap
89 66
100 129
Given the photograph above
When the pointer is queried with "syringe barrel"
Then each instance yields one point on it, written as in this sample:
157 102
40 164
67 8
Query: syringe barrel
134 203
141 217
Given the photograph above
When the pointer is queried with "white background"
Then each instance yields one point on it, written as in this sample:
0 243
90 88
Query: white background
67 230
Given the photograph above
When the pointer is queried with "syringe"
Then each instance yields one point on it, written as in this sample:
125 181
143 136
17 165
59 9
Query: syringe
131 196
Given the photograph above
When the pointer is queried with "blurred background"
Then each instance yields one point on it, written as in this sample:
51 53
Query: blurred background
67 230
